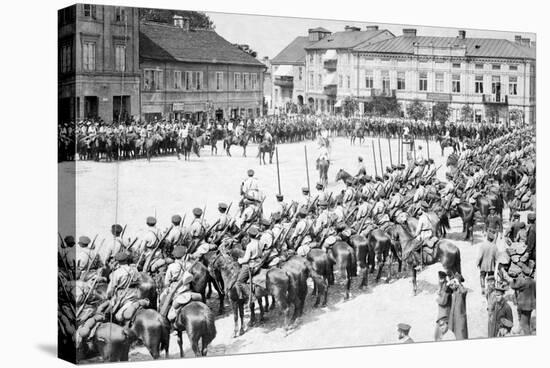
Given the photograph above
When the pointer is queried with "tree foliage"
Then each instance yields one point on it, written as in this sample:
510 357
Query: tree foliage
383 106
516 115
246 49
417 110
467 113
441 111
197 20
349 106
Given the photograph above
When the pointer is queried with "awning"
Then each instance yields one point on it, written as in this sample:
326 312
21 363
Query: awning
338 103
284 71
330 55
330 79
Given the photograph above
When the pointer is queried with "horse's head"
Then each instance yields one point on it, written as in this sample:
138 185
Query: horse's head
340 175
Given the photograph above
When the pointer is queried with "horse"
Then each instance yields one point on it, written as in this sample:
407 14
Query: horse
444 252
447 142
345 262
343 175
263 148
320 268
323 166
187 145
153 330
232 139
198 321
373 248
297 268
357 133
111 341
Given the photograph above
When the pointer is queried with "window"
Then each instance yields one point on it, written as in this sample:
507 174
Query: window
423 81
197 78
369 80
479 84
496 66
66 58
90 11
495 85
120 58
188 81
246 80
88 56
401 80
320 80
513 86
340 81
237 81
456 83
219 81
177 80
300 73
348 58
513 67
456 65
385 81
311 56
348 79
439 82
120 14
152 80
311 81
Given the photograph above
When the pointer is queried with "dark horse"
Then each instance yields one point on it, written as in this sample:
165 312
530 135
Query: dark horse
322 166
444 252
111 341
153 330
232 139
447 142
266 147
197 320
345 262
186 146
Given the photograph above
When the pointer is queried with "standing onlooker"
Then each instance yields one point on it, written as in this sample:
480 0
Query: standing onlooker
499 309
487 258
458 320
525 291
443 299
532 236
514 227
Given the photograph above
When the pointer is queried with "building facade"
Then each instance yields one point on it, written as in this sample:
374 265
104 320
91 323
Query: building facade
493 77
98 63
196 74
331 73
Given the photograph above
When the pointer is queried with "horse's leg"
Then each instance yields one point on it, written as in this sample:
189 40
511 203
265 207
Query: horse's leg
241 315
260 305
195 343
252 307
381 262
414 279
236 310
348 281
180 342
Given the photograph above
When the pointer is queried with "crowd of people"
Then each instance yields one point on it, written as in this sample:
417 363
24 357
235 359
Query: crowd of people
98 140
405 208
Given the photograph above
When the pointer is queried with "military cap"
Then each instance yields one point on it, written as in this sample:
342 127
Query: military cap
302 212
279 197
442 275
492 208
386 176
319 186
340 226
402 167
394 167
276 216
178 252
151 221
116 229
378 178
330 240
197 212
121 257
222 206
69 240
431 160
442 318
490 278
505 322
253 231
368 178
360 158
250 172
84 240
522 225
531 216
323 203
176 219
265 222
515 215
404 327
389 169
305 190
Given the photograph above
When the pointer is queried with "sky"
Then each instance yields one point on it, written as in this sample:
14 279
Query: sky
268 35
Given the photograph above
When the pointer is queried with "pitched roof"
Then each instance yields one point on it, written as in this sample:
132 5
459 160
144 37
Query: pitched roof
169 43
345 39
319 29
475 47
294 53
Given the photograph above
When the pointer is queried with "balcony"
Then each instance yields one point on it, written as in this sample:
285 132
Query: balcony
378 92
495 99
438 97
330 64
284 82
330 90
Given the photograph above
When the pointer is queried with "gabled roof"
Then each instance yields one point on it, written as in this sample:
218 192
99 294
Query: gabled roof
294 53
475 47
347 39
169 43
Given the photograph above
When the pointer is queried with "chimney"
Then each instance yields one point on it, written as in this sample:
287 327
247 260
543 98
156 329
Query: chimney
517 39
462 34
351 28
409 32
372 28
525 42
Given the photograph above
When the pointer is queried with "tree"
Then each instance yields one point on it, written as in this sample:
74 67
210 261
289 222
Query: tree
197 20
516 115
246 49
492 113
349 106
467 113
441 111
417 110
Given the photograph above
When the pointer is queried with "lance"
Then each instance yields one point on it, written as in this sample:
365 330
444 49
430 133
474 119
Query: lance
152 254
374 158
414 149
307 169
428 147
278 174
123 231
389 148
380 157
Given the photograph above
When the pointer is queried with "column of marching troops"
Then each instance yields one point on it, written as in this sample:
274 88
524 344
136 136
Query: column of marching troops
318 220
86 135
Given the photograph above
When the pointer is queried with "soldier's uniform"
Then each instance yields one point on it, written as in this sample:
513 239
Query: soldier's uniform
304 201
122 289
177 282
84 255
280 207
494 222
150 235
175 234
514 227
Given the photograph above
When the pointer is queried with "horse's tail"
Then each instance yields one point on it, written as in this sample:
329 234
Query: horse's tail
353 265
444 222
458 262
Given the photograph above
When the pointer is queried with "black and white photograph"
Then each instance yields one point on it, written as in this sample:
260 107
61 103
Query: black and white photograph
232 184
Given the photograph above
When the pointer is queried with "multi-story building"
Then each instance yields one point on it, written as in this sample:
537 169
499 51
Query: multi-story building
492 76
188 73
288 69
98 62
331 73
